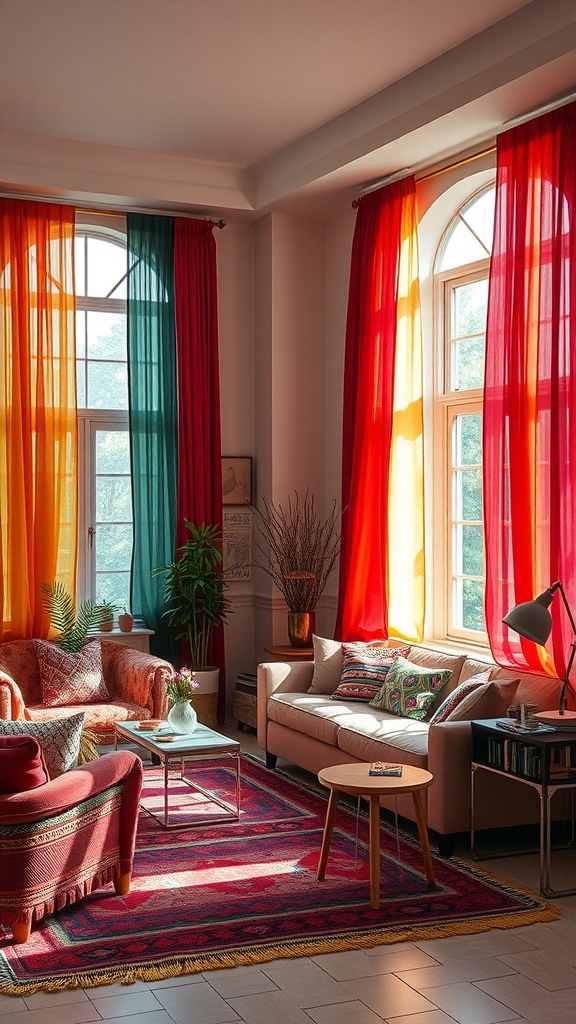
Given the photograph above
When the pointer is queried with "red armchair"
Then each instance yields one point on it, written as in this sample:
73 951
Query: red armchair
68 837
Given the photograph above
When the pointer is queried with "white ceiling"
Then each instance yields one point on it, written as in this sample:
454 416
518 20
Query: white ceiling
249 105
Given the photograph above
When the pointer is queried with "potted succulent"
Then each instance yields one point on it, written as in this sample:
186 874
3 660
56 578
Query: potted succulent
106 611
196 591
126 620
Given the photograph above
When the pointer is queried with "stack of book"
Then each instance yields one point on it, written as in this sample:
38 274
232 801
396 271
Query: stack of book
527 717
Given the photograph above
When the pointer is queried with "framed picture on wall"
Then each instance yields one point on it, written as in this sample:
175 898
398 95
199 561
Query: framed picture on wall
237 543
236 480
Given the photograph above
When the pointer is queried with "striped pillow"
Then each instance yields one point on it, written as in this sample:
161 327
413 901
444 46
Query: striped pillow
363 674
449 705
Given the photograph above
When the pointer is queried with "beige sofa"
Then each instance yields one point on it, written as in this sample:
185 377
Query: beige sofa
313 731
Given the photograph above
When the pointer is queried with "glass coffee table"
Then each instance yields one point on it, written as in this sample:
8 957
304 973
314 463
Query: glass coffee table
199 746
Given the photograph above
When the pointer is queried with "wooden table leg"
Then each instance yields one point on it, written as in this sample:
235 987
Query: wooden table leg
424 841
374 833
327 837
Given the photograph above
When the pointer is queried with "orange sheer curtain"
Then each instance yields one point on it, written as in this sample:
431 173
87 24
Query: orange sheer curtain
38 427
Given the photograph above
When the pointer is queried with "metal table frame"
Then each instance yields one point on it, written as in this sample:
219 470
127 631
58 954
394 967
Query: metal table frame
166 755
545 794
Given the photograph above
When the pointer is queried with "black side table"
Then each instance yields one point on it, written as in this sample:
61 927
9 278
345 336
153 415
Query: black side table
545 760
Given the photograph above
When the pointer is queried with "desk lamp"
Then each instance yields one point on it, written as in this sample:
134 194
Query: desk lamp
533 621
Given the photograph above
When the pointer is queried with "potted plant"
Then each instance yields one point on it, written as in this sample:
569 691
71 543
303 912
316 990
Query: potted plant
195 588
299 550
106 611
126 620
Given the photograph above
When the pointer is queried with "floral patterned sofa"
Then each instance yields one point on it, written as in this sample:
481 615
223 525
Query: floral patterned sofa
136 684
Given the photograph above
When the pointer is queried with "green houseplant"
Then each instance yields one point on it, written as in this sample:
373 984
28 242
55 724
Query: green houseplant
195 588
74 628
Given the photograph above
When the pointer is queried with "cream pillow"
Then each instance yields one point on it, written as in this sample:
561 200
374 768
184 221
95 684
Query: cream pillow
328 663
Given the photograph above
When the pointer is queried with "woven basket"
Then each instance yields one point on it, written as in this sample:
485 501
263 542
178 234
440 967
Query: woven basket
206 707
244 708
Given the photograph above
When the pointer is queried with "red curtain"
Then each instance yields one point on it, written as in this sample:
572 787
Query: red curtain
368 412
199 496
530 386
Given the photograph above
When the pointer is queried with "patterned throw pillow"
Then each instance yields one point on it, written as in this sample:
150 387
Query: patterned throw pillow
410 689
329 661
449 705
59 740
363 672
489 700
68 679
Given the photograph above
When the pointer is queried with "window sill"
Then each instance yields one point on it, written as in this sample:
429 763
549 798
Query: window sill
135 631
477 651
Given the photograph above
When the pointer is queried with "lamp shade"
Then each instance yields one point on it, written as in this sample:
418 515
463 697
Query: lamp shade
532 618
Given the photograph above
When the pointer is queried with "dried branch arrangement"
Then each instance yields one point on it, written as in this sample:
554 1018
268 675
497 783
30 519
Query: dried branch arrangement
299 549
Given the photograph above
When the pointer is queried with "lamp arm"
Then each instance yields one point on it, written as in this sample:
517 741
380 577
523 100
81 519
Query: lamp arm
562 702
566 680
558 586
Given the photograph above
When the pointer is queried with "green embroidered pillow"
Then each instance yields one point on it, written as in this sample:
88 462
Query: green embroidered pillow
410 689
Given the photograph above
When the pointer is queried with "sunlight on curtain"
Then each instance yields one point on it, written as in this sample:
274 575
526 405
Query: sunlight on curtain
38 426
153 415
406 498
381 558
530 387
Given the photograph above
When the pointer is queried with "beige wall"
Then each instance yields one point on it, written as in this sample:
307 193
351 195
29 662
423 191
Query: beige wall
283 291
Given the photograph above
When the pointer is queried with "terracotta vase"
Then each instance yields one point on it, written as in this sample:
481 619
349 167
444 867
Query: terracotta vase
301 626
126 623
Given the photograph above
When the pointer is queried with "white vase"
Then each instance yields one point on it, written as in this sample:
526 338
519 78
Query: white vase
182 718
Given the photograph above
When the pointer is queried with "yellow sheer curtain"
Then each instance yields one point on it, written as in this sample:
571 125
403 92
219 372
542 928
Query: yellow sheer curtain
38 426
406 494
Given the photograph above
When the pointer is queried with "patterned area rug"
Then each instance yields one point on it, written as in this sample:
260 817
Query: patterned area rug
246 892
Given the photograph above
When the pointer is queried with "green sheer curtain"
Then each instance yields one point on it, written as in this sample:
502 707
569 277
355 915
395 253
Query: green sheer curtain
153 415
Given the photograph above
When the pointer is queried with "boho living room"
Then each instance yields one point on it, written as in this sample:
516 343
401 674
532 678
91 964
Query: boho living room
286 512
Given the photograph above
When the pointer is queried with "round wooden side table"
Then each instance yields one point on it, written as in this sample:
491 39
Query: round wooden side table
285 652
355 780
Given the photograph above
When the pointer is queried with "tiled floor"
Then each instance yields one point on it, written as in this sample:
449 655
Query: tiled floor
517 975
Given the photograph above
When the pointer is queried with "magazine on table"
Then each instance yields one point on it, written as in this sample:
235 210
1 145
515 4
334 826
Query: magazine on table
385 768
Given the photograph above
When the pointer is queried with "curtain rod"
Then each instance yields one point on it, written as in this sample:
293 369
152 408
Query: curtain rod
107 213
158 213
512 123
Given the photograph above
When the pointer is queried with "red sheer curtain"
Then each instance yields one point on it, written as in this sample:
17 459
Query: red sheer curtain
368 412
199 496
530 386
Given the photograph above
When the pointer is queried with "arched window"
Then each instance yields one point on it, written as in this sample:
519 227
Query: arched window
461 296
105 534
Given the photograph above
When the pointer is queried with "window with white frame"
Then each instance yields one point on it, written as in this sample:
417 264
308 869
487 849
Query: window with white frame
461 294
105 508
